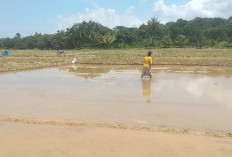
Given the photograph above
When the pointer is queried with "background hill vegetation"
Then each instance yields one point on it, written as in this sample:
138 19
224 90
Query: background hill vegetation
199 32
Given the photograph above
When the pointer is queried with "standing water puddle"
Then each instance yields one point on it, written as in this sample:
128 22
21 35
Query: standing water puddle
198 98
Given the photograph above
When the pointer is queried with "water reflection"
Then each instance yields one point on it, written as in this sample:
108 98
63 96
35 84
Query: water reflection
146 84
188 97
74 67
212 89
88 71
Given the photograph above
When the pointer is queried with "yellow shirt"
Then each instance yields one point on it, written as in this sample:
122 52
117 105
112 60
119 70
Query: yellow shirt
147 61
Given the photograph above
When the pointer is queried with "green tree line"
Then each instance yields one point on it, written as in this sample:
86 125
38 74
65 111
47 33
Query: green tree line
199 32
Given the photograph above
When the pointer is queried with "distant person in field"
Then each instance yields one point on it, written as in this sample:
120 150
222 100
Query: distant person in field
147 65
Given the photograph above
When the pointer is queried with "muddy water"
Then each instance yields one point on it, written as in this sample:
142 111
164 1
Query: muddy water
195 98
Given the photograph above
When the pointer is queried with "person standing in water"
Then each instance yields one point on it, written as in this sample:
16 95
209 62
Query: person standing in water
147 65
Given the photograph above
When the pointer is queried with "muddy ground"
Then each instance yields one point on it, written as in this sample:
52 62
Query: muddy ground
92 110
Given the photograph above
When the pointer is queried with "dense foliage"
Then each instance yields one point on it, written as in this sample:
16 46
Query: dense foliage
199 32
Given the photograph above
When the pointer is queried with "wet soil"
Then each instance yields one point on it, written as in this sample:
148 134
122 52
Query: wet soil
184 108
45 141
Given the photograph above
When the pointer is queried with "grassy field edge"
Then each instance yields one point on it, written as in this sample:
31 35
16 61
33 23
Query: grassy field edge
35 59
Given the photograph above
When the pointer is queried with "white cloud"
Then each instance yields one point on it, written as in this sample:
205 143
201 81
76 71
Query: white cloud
192 9
107 17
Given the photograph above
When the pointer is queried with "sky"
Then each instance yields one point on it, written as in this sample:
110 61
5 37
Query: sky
47 16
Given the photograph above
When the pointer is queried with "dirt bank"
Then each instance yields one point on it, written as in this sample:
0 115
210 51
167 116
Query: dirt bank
42 140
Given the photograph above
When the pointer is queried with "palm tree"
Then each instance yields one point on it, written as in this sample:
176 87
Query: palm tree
167 41
153 26
107 40
182 40
59 40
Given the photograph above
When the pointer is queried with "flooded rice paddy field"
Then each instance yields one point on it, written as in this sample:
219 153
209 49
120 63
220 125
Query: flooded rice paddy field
188 99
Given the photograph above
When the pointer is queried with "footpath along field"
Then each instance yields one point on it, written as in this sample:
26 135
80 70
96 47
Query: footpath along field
34 59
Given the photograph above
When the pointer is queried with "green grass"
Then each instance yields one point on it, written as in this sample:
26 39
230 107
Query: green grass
30 59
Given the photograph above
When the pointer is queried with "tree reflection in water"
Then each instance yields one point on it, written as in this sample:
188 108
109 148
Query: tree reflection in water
89 71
